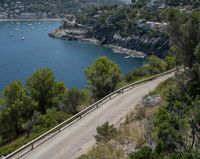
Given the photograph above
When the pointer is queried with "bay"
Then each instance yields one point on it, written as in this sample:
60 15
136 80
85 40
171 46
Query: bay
26 47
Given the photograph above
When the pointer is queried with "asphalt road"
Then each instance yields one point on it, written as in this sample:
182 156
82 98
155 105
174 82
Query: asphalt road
79 137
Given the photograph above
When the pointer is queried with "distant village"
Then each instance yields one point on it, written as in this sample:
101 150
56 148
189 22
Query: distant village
18 10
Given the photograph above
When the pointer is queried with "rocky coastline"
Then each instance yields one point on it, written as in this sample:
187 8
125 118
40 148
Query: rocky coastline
134 46
78 35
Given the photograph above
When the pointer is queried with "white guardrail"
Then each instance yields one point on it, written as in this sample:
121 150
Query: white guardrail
49 134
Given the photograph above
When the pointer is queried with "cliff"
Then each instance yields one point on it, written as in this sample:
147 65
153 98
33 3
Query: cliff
136 44
150 45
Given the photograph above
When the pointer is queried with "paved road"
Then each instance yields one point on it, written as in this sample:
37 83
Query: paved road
78 138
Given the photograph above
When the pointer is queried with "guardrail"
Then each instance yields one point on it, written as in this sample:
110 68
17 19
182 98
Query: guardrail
49 134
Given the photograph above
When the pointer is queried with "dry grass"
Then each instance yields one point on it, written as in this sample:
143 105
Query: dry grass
140 113
105 151
132 132
133 129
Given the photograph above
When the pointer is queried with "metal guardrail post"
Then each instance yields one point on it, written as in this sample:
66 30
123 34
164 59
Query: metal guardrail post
32 146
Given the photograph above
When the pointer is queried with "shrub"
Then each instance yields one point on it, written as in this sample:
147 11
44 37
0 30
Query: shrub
103 77
104 151
144 153
49 120
105 132
73 99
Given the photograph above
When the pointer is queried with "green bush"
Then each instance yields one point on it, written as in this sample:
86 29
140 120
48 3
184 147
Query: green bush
103 77
105 132
154 66
143 153
74 99
50 119
42 124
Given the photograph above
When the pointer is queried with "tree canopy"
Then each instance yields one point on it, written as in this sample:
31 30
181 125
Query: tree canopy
44 89
103 77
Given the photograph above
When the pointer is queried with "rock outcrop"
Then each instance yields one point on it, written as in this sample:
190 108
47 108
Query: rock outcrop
151 101
158 46
134 45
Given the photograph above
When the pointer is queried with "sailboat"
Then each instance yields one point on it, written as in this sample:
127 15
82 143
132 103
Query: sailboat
10 34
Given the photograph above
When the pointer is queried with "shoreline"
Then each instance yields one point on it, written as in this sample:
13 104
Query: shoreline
117 49
25 20
128 52
73 33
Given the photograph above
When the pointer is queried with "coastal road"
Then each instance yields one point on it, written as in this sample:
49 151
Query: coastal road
79 137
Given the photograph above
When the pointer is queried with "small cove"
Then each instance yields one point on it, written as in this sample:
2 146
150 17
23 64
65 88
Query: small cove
68 59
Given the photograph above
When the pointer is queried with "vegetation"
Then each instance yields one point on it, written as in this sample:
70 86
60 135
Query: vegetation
144 153
74 99
134 132
105 132
173 132
170 3
54 8
183 2
185 96
122 20
31 109
43 88
177 123
103 77
104 151
154 66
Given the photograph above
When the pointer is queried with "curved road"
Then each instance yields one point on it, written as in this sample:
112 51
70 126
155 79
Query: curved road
78 138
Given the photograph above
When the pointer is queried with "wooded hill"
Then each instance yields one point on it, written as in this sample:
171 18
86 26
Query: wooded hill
51 7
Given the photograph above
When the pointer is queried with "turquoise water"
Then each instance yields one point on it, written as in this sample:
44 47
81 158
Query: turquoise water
68 59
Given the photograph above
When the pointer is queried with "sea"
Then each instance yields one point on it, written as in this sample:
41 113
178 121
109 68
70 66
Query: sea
25 47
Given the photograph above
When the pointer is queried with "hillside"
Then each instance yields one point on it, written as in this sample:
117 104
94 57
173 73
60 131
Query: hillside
47 9
135 28
125 29
161 4
166 123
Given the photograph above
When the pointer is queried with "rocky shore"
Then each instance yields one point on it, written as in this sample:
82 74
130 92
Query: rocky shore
131 53
79 35
134 46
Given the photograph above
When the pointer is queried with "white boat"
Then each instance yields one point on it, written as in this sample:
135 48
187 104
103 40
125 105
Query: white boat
10 34
126 57
23 38
45 28
32 27
16 29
